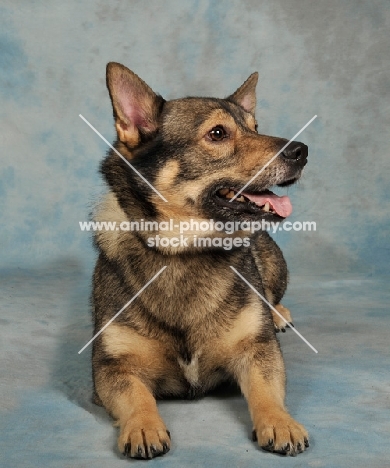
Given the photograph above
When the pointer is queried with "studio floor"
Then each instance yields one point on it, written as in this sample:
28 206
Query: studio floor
340 394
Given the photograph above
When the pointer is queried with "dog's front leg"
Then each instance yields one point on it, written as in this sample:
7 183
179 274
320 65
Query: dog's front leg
262 380
142 431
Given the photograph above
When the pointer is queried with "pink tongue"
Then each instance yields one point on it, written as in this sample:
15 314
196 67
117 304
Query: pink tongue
281 205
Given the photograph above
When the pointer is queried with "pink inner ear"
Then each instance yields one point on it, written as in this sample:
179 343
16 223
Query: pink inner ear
247 103
134 107
137 117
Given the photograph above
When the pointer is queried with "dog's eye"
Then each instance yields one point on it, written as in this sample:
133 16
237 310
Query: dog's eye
217 133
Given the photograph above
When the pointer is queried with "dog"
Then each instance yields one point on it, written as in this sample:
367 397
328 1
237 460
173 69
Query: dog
197 325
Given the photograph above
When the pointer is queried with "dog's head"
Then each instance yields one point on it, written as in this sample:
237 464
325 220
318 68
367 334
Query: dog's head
198 153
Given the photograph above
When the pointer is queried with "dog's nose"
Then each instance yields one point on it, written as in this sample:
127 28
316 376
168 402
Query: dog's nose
296 151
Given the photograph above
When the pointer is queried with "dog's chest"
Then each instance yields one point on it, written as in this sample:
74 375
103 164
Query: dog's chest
200 374
191 369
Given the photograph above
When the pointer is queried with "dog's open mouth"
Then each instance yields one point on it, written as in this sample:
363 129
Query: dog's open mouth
264 201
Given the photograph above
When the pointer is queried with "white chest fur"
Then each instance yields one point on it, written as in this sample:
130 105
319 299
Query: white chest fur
191 369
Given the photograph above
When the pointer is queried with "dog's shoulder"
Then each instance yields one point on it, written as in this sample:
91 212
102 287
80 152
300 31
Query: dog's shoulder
108 216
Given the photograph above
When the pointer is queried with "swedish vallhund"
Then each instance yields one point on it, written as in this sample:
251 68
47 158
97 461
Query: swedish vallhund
197 324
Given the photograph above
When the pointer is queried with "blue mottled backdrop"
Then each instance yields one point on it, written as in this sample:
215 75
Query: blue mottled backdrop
326 58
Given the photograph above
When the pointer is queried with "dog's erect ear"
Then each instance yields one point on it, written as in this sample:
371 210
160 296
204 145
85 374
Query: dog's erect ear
136 107
245 96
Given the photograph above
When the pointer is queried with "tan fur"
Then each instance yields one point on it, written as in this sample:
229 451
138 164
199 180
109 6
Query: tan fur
127 135
271 421
119 340
279 323
166 177
251 122
109 210
140 425
153 358
244 328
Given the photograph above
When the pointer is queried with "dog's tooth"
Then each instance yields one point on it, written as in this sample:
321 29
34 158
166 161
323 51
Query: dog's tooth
230 194
266 207
241 199
224 191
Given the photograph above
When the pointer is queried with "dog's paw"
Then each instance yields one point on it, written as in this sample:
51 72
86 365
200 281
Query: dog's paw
281 434
279 323
144 438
